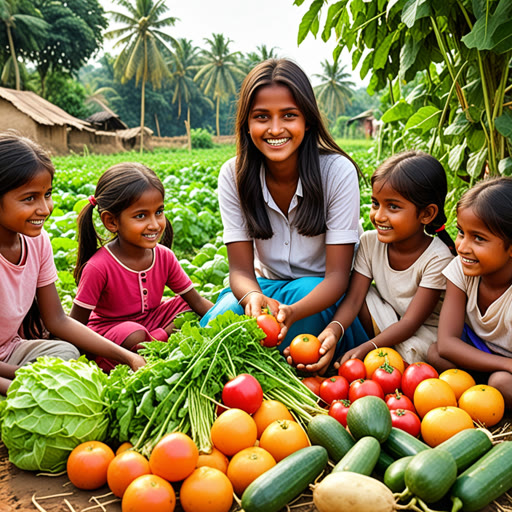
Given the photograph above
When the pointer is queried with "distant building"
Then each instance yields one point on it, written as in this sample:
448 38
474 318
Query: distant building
367 121
50 126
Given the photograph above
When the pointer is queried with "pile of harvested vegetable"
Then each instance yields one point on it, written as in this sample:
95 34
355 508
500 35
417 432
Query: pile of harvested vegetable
216 422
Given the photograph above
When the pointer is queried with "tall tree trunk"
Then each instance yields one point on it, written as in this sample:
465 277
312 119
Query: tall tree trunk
142 98
14 59
217 116
187 126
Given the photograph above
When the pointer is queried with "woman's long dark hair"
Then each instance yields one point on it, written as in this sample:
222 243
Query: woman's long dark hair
21 159
118 188
491 199
310 219
421 179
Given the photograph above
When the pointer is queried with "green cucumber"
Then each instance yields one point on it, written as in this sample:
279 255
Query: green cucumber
282 483
485 480
401 444
430 474
361 458
394 477
369 416
383 462
466 447
331 434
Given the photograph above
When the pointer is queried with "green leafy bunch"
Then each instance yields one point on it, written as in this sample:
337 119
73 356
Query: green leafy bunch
52 406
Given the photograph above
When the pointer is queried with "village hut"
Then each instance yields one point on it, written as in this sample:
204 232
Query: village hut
367 122
38 119
130 138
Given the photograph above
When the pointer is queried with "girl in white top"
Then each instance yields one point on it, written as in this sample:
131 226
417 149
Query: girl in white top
402 259
290 207
475 328
29 303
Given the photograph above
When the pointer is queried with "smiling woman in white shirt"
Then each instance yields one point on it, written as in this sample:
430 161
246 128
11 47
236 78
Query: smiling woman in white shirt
289 203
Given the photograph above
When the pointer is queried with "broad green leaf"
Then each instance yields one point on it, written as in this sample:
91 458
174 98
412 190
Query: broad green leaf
414 10
382 51
390 6
456 156
475 139
476 163
424 119
310 21
504 124
459 126
408 54
400 110
333 15
505 166
366 65
491 30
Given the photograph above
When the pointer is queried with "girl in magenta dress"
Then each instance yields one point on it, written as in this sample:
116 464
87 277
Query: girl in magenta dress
121 283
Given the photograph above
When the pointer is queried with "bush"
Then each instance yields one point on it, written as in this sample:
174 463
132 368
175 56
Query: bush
201 138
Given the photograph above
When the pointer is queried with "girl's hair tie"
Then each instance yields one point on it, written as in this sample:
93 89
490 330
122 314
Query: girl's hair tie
93 201
442 228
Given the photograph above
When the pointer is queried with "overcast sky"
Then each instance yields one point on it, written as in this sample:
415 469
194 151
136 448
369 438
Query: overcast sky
250 24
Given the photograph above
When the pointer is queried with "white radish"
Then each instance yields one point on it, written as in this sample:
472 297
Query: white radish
350 492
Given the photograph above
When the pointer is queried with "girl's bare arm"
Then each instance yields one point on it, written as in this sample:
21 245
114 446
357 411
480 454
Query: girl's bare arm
68 329
449 343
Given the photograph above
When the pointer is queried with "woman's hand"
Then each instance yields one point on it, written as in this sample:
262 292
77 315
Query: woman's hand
285 316
356 353
320 367
256 303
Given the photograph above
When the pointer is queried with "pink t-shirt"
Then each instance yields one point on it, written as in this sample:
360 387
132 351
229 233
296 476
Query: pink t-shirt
112 290
18 285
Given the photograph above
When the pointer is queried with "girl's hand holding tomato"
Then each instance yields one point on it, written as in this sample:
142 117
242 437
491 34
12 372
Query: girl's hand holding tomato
307 354
356 353
271 327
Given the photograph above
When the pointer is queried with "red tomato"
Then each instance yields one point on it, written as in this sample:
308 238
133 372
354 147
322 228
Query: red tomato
388 377
243 392
352 369
364 387
414 374
270 326
398 401
339 410
313 383
334 388
406 420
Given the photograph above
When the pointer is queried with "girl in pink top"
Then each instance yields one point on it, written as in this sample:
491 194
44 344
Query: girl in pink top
29 303
121 283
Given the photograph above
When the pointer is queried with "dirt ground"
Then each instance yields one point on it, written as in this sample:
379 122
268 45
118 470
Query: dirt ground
18 488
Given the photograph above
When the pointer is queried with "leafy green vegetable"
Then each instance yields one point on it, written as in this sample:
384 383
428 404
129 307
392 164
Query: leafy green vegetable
180 386
51 407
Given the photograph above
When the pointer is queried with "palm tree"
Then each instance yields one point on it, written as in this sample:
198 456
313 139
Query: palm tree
335 90
262 53
28 27
183 65
217 76
144 46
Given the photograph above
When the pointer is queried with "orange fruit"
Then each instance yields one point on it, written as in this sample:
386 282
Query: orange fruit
123 447
206 490
432 393
304 349
88 463
214 459
174 457
459 380
269 411
381 355
124 469
283 437
485 404
247 465
233 431
441 423
149 493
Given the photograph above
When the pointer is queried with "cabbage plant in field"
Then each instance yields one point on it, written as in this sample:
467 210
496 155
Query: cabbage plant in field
51 407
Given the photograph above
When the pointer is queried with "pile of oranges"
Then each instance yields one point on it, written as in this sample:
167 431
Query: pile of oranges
244 447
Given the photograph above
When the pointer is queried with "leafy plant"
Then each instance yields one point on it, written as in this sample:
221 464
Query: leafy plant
51 407
460 109
201 138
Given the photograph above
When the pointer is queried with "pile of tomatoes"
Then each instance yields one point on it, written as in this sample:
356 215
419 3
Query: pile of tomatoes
249 436
420 400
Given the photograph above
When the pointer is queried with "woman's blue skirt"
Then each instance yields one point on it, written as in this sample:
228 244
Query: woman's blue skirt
289 292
